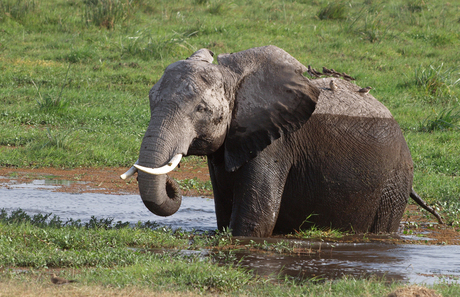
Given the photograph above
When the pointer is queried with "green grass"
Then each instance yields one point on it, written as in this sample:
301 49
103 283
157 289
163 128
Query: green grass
115 255
333 11
447 119
319 233
76 74
188 184
81 70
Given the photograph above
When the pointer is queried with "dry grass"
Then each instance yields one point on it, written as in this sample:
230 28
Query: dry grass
414 291
14 288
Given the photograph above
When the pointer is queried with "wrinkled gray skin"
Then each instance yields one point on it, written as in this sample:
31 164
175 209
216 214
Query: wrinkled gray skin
280 147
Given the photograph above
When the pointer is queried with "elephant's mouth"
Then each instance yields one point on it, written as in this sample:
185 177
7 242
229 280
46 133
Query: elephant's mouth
155 171
164 169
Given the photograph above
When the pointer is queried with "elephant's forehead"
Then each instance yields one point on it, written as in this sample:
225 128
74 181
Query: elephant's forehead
191 68
346 100
190 77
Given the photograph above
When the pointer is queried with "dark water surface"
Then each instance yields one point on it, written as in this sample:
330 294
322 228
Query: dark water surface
409 263
420 264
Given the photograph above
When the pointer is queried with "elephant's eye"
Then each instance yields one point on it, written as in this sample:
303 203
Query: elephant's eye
201 108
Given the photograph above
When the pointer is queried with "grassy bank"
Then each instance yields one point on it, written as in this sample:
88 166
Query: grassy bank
76 74
114 259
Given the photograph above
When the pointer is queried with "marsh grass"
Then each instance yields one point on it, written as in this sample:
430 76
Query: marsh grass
218 7
447 119
47 102
416 5
49 242
59 140
78 55
28 284
437 80
150 46
100 117
370 24
451 212
147 259
337 10
194 184
319 233
374 29
309 230
105 13
397 47
17 9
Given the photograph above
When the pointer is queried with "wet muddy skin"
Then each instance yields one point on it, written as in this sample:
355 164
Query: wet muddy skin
433 257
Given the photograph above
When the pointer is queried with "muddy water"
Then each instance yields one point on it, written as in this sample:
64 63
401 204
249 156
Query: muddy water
408 263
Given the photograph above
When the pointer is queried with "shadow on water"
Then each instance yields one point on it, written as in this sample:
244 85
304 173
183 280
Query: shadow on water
408 263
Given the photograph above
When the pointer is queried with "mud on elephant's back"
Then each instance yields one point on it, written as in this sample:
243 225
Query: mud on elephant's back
346 100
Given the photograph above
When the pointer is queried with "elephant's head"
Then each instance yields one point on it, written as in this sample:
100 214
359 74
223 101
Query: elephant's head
241 105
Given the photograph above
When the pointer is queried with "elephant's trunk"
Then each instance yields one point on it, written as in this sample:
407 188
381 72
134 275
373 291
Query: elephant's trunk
160 151
162 197
160 193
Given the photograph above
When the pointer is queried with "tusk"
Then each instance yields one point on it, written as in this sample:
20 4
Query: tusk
162 170
130 172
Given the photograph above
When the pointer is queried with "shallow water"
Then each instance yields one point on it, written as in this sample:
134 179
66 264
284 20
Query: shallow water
37 197
407 263
411 263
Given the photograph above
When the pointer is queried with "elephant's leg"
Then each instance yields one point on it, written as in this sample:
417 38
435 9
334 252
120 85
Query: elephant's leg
223 198
223 194
393 201
257 197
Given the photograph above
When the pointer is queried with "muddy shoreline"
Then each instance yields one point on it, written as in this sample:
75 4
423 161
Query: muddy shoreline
97 180
416 228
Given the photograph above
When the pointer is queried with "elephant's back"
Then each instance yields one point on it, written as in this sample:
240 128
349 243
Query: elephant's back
347 101
354 126
354 153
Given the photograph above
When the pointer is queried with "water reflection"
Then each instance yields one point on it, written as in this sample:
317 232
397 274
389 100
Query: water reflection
195 212
411 263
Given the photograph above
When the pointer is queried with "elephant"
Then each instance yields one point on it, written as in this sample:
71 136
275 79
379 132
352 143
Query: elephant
283 150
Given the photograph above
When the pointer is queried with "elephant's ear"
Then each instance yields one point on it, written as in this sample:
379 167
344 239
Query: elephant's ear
272 99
